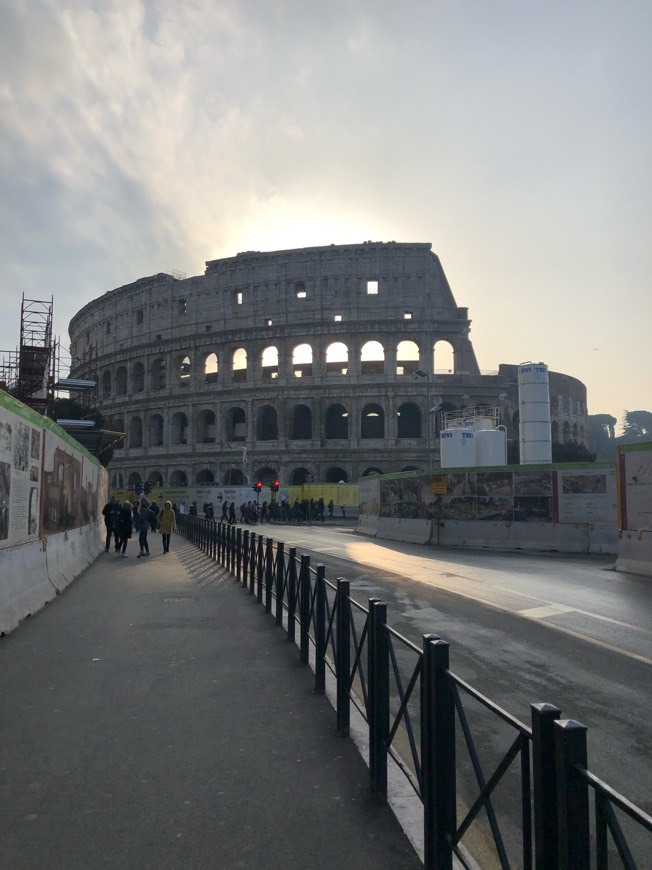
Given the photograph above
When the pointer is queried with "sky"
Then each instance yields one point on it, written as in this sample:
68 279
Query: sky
144 136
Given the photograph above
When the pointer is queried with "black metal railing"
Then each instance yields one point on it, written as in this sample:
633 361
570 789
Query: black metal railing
526 806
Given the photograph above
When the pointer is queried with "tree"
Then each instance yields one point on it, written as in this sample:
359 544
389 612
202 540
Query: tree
571 451
602 436
637 426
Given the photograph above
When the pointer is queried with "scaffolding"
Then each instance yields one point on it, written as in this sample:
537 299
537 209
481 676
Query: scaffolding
30 372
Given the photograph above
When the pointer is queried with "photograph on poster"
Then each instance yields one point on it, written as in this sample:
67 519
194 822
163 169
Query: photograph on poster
530 509
584 484
88 495
5 437
5 492
533 483
499 508
459 508
35 450
399 498
61 488
495 483
33 473
21 446
32 516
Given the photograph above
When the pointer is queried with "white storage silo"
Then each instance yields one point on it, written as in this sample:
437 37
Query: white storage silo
456 448
534 413
490 447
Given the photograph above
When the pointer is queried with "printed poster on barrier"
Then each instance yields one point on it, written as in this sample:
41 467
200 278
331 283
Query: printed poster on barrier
20 479
62 476
587 496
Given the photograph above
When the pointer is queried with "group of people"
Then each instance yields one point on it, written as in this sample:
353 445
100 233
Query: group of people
122 520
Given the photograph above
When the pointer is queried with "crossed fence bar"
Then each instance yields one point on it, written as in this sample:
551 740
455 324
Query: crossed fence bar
362 652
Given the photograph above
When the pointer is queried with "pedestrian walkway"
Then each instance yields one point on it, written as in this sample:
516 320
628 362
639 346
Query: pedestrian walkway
154 717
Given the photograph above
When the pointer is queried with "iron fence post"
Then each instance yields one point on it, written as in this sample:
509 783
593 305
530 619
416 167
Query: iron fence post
320 630
280 573
437 756
544 785
269 574
238 554
245 557
572 795
343 647
259 570
378 671
233 550
292 594
304 609
252 564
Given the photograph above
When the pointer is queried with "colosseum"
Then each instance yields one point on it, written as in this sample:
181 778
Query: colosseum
323 363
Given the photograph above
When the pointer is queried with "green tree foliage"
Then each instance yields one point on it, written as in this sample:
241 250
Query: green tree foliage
637 426
602 436
571 451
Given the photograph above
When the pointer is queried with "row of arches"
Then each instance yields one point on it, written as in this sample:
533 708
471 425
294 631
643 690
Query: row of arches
151 431
233 477
372 361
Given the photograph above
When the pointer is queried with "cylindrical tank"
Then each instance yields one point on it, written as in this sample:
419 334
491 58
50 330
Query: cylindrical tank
456 448
534 413
490 447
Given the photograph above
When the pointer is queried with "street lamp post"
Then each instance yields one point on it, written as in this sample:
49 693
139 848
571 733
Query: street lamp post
309 479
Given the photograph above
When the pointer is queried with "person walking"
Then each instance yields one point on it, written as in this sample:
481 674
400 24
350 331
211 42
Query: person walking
167 523
125 525
141 522
110 513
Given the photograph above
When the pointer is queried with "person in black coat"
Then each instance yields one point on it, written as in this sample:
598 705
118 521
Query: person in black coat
124 526
110 513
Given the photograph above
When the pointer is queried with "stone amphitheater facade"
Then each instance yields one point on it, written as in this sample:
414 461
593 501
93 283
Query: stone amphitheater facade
291 365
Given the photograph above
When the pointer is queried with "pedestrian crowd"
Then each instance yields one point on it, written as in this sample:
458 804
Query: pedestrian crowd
141 517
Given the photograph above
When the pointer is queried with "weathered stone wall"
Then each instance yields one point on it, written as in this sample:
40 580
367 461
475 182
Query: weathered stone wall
195 370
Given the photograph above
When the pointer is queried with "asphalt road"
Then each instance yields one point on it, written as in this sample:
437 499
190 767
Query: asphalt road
567 630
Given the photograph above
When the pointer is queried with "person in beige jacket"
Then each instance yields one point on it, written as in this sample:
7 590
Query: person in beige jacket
167 524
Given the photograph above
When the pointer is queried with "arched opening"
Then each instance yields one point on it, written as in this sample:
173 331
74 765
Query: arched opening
182 367
554 432
337 422
269 363
300 476
205 476
301 423
118 425
236 425
155 478
155 431
117 480
210 369
266 475
336 475
372 358
371 472
135 480
121 381
206 427
444 358
159 374
234 477
106 385
567 435
372 424
138 378
239 366
302 361
267 424
179 428
409 421
337 358
135 432
178 478
575 432
407 358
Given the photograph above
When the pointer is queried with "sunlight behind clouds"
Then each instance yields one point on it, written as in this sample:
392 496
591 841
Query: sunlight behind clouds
137 137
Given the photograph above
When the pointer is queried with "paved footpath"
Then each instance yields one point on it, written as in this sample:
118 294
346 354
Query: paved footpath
154 717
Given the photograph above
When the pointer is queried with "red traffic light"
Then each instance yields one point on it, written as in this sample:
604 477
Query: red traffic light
259 486
275 486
